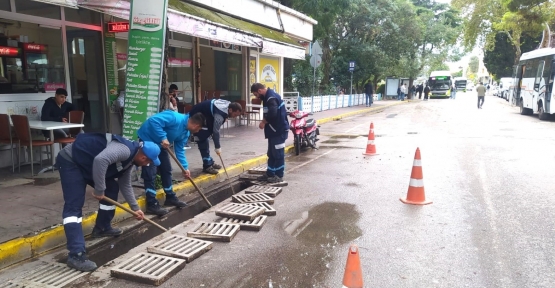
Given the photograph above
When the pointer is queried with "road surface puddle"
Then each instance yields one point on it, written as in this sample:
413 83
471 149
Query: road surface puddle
319 232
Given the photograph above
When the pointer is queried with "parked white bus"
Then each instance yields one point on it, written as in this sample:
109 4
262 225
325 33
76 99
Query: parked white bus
534 79
440 83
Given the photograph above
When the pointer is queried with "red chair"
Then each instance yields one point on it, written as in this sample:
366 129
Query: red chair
6 136
23 132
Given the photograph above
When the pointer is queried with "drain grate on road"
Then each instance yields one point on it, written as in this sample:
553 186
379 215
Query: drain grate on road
215 231
181 247
240 211
49 275
248 176
148 268
252 198
258 170
268 190
12 285
268 210
254 225
262 183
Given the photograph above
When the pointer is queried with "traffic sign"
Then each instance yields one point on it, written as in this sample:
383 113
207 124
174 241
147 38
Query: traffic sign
352 66
316 49
315 60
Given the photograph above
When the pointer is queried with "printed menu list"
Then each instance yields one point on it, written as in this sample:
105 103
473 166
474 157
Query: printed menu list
145 55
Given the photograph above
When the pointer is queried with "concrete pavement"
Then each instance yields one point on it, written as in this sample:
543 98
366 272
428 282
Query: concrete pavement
30 224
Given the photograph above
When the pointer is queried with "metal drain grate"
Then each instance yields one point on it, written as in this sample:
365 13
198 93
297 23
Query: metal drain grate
258 170
254 225
181 247
261 183
268 210
248 176
240 211
252 198
11 285
268 190
49 275
215 231
148 268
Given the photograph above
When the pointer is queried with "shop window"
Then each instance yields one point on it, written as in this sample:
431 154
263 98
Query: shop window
182 37
5 5
31 58
228 74
180 72
84 16
39 9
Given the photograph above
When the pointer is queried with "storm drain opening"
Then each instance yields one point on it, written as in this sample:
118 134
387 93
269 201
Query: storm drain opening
181 247
50 275
262 183
215 231
268 210
268 190
240 211
252 198
148 268
254 225
261 170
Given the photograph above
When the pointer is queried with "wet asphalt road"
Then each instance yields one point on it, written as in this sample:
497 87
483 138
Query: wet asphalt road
489 172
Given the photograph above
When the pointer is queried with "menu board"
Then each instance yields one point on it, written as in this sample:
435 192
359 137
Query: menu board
111 66
145 60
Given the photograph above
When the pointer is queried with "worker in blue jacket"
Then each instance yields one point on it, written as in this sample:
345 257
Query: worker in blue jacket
165 128
276 130
216 112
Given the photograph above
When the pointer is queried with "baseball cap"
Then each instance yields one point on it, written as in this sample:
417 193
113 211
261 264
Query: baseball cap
152 151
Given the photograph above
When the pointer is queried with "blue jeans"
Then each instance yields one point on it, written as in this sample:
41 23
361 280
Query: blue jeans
276 155
401 96
204 147
149 176
369 99
453 95
74 185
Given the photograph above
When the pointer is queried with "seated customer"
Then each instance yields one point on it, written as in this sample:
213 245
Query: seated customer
56 109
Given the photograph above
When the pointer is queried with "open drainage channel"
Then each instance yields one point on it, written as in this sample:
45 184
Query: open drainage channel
57 275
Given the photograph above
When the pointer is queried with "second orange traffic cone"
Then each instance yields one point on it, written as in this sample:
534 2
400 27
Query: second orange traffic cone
353 273
416 194
370 146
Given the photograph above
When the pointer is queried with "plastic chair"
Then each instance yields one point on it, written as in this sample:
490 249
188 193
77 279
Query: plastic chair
6 136
255 111
23 132
75 117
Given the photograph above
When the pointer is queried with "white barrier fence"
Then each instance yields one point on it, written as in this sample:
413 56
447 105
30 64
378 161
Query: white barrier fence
323 103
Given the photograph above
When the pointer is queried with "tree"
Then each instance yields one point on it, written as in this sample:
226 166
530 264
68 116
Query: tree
458 73
474 64
502 58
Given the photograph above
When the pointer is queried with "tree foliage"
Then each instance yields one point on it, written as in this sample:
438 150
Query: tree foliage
474 64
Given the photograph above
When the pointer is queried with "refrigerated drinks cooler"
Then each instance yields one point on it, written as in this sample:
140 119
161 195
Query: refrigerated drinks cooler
25 69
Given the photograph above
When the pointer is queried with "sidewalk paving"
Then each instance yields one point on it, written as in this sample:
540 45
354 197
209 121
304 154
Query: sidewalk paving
30 208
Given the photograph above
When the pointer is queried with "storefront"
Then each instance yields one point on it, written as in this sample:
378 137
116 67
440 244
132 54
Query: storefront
67 44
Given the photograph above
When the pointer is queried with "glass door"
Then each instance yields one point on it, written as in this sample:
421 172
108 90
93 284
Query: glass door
87 77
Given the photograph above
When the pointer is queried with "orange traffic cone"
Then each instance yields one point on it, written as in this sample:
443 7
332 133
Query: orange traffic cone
353 273
416 195
370 146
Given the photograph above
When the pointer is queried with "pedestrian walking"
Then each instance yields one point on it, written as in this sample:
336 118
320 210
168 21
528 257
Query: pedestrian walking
420 89
165 128
426 92
276 130
216 112
97 160
404 92
453 92
481 91
369 91
399 93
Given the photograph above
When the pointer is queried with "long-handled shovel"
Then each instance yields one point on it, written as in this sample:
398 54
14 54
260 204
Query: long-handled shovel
227 175
133 213
192 182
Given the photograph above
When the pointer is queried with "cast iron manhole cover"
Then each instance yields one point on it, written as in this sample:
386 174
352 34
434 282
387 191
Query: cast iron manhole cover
50 275
147 268
258 170
215 231
268 190
181 247
254 225
252 198
240 211
268 210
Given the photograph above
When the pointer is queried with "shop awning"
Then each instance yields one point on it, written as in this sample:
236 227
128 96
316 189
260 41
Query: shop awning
200 22
66 3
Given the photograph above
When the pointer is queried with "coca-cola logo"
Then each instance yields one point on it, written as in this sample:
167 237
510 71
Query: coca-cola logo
9 51
34 47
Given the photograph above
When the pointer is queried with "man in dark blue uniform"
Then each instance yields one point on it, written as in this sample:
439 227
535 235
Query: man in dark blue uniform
276 130
97 160
216 112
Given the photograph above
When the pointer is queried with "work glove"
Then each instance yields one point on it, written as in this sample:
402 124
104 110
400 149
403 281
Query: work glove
218 151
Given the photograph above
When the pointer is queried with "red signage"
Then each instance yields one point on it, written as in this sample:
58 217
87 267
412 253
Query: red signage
114 27
54 86
34 47
9 51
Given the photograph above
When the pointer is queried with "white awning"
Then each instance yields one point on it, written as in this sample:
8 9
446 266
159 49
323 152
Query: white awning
65 3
